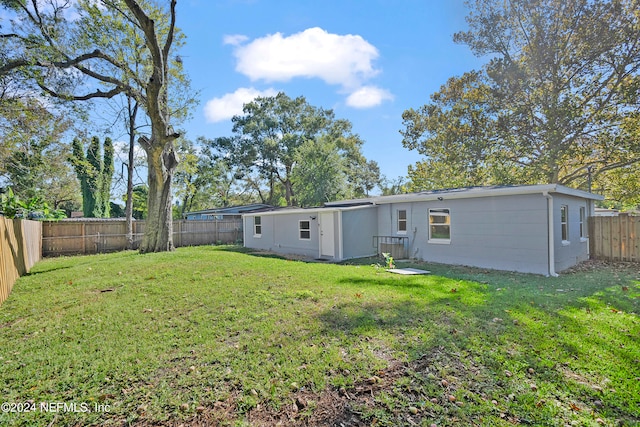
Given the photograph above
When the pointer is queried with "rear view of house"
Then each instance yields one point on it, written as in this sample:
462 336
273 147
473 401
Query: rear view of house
534 229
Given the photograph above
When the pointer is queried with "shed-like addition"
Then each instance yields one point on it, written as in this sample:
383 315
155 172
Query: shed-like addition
327 233
534 229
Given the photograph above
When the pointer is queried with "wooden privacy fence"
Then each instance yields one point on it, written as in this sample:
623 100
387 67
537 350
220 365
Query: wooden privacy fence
615 238
20 249
100 236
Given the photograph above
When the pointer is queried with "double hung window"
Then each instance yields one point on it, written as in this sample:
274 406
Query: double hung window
439 226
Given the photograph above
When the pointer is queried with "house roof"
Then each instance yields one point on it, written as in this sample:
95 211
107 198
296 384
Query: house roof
312 210
469 192
232 209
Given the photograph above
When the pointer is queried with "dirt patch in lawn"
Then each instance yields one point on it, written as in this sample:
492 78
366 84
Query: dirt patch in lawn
332 406
353 406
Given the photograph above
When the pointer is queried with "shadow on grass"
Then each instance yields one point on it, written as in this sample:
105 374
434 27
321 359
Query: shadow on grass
556 334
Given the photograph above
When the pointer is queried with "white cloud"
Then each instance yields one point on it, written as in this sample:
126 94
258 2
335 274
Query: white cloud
368 96
230 104
234 39
345 60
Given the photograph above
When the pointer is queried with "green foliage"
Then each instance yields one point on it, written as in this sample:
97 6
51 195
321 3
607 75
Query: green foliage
32 154
95 172
556 102
320 173
35 208
140 196
203 179
388 260
116 210
268 141
394 186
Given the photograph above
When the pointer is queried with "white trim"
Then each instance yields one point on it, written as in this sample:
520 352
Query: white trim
467 193
309 211
551 257
340 239
564 225
255 234
436 240
405 220
300 229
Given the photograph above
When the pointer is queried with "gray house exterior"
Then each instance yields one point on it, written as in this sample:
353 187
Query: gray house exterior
328 233
538 229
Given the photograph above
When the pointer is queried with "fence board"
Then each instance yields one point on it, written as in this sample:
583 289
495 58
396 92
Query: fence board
96 236
20 249
615 238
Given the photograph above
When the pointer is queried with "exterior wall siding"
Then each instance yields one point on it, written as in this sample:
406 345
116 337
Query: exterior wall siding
280 234
506 233
358 228
574 249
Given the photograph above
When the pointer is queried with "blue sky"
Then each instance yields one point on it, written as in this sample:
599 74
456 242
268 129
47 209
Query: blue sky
367 60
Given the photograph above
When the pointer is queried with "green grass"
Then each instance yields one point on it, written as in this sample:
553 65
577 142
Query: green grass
217 335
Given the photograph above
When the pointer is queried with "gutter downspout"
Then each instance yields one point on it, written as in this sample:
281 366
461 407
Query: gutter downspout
550 236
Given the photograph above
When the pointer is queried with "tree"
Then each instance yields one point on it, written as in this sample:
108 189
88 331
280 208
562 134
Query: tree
270 132
555 101
205 180
269 136
102 46
35 208
393 186
95 173
140 197
319 176
193 176
32 152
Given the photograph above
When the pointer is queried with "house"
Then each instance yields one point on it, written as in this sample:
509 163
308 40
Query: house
533 229
231 212
615 212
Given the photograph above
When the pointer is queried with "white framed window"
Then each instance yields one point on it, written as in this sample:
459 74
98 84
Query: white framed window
305 230
439 226
257 226
583 225
564 224
402 221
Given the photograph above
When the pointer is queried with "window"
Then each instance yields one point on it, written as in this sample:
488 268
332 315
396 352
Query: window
257 226
564 222
305 230
402 221
439 226
583 217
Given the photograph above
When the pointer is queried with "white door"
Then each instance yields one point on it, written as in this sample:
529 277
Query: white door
327 244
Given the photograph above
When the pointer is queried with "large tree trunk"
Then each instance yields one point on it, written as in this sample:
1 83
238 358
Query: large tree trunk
158 231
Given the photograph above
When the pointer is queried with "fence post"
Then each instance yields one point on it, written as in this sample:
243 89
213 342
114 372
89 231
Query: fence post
178 242
84 239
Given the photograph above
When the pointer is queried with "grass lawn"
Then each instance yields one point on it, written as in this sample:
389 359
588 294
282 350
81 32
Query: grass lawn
218 336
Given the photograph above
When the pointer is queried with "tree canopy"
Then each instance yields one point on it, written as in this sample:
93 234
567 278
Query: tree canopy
276 146
85 50
557 101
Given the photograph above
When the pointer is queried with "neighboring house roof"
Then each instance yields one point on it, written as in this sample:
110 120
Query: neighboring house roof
232 210
468 192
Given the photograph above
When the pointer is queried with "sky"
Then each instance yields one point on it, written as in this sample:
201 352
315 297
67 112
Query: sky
367 60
